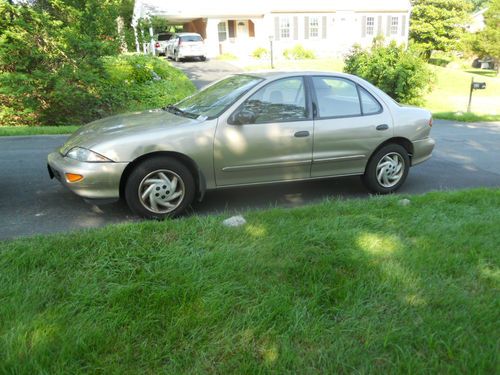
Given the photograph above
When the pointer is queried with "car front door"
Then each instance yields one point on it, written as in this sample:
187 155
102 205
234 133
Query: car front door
349 124
268 138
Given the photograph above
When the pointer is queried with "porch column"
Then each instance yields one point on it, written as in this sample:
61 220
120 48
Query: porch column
212 37
152 42
136 37
144 49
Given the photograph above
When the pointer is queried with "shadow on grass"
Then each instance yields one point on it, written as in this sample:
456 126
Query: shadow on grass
364 285
484 72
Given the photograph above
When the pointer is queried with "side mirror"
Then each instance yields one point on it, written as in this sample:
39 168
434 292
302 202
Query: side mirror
243 117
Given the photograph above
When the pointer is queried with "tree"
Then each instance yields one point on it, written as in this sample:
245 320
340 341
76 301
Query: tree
438 24
398 71
486 43
479 4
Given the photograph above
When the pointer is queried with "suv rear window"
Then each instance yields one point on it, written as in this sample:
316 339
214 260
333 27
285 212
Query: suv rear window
191 38
163 37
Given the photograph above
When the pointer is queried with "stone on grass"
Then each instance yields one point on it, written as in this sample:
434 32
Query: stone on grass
404 202
235 221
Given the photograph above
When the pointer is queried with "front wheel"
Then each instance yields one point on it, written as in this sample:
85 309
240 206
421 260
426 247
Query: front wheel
387 169
160 187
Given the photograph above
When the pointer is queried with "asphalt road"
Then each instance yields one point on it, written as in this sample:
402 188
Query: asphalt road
466 155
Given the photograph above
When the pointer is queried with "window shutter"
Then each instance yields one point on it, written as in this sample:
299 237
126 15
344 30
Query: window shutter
324 25
388 33
251 28
403 26
379 26
306 27
231 28
295 28
276 28
363 26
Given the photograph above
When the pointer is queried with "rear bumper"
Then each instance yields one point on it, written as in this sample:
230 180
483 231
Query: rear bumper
422 150
100 180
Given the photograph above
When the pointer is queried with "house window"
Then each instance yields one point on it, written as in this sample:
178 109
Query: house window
370 25
394 25
284 28
221 27
313 27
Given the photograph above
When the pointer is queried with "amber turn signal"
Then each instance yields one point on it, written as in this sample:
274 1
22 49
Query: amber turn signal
72 177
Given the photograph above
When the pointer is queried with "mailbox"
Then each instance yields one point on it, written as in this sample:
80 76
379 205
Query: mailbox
478 85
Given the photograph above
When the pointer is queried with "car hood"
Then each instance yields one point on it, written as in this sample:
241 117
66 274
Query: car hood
123 125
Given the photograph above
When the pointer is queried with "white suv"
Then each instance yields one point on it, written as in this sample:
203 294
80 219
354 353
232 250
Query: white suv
161 43
186 45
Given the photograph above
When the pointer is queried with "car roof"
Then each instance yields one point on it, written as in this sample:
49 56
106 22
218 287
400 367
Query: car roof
271 74
184 34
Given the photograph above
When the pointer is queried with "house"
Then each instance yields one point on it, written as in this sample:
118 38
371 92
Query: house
330 28
477 21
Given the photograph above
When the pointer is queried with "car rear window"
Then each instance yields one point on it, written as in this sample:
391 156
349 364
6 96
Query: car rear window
191 38
164 37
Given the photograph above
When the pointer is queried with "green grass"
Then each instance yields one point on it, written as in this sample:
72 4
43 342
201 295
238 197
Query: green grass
36 130
358 286
465 117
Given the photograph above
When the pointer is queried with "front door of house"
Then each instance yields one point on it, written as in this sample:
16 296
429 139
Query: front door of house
242 29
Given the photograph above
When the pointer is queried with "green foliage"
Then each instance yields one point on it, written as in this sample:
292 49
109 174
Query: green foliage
52 69
260 53
479 4
438 24
397 71
486 43
298 53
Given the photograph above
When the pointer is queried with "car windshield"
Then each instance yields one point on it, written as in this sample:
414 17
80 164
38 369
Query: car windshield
163 37
191 38
215 99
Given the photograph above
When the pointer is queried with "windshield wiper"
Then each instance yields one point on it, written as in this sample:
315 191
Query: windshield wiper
176 110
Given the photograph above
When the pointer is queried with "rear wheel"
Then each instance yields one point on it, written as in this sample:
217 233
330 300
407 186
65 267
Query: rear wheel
160 187
203 58
387 169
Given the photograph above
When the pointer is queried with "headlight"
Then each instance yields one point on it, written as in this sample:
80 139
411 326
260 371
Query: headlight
82 154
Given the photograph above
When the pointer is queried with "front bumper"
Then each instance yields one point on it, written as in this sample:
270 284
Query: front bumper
100 180
422 150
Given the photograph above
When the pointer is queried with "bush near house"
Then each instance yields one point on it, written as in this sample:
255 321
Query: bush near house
260 53
394 69
298 53
345 286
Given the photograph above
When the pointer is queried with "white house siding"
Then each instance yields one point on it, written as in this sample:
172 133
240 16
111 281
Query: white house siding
342 23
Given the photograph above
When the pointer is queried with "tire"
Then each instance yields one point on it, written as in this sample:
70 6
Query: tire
387 169
170 190
203 58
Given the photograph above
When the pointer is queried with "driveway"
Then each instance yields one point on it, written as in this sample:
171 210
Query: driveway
466 156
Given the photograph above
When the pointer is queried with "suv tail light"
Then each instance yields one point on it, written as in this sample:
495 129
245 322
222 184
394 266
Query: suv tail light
157 45
430 122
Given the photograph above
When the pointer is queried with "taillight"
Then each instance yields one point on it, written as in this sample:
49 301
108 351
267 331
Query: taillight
430 122
180 42
157 45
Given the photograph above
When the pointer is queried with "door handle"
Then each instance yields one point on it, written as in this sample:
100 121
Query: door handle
301 134
382 127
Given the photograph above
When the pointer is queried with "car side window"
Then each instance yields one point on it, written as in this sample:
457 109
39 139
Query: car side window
336 97
369 104
279 101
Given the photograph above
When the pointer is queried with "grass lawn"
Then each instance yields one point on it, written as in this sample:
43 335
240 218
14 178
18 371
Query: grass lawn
36 130
357 286
449 96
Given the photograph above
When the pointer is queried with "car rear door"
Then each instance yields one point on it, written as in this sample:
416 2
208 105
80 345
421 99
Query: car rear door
349 124
273 142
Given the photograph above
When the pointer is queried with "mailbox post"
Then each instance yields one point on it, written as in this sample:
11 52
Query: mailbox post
475 86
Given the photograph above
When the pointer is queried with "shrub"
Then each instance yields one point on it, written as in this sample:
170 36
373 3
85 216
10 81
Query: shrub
397 71
298 53
260 53
76 95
